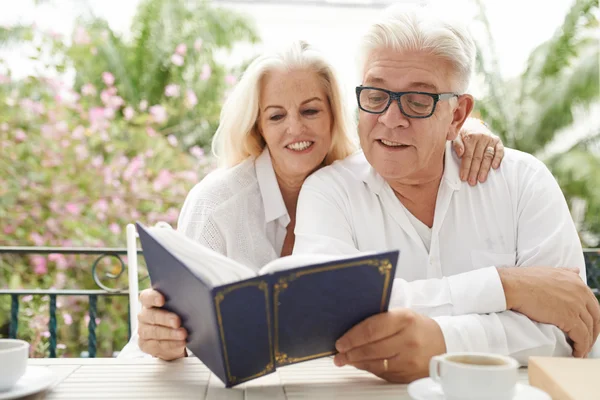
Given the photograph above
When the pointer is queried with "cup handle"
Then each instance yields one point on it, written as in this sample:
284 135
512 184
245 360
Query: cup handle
435 368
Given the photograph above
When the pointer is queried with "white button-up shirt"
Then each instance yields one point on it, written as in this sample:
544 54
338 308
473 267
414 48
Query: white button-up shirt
518 217
238 212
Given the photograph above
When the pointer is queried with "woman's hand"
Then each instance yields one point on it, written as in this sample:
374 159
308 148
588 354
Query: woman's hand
479 149
160 331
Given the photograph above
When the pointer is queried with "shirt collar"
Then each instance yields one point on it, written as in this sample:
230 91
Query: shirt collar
367 173
269 189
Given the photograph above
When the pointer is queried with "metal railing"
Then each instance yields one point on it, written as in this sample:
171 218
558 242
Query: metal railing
92 295
592 259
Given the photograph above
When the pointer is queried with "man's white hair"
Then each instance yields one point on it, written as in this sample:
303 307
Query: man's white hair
422 28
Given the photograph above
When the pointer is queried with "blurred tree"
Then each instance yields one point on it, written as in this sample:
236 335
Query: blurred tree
535 109
170 59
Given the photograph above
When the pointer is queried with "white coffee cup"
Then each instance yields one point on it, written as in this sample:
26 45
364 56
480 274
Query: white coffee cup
14 355
475 376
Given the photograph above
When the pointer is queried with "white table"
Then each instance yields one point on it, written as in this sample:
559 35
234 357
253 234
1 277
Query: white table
146 379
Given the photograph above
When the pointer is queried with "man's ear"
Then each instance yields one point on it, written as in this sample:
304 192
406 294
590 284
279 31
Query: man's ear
460 115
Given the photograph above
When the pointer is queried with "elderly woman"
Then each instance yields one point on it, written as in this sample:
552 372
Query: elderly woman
284 120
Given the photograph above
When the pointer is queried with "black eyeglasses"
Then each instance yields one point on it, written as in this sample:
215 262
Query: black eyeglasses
412 104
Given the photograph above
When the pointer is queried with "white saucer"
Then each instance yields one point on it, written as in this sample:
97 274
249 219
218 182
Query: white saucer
35 380
427 389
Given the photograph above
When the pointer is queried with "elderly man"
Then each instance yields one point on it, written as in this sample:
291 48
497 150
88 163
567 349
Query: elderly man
403 191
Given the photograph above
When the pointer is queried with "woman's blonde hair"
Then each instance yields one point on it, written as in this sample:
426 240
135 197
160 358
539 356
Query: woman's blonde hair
238 136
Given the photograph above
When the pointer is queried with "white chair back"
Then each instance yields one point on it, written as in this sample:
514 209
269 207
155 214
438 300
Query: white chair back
132 271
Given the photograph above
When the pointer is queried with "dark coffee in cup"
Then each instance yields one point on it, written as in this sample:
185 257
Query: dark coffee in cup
476 360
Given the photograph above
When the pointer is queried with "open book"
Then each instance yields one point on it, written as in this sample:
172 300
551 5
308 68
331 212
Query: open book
243 324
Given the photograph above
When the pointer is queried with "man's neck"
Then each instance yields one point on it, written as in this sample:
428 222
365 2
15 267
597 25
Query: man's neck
419 195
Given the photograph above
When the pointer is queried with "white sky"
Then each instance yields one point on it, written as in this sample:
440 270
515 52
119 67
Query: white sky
517 25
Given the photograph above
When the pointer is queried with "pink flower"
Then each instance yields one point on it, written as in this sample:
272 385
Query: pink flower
108 78
88 90
190 98
97 117
172 140
61 346
46 334
163 180
206 72
101 205
20 136
198 44
73 209
105 96
62 127
8 229
172 90
109 113
151 132
87 319
230 79
177 60
134 166
96 113
159 114
52 224
67 318
171 215
97 161
190 176
40 266
115 228
197 152
59 259
65 143
143 105
128 113
82 152
4 127
181 49
54 206
37 239
27 299
78 133
81 36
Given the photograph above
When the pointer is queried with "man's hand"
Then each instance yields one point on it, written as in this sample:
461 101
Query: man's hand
160 331
555 296
405 339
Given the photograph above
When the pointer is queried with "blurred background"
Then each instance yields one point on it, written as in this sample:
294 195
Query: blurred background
107 108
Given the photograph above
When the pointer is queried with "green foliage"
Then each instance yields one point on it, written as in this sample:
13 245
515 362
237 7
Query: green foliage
121 143
528 112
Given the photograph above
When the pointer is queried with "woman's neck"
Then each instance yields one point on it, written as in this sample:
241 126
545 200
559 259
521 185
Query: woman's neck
290 190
